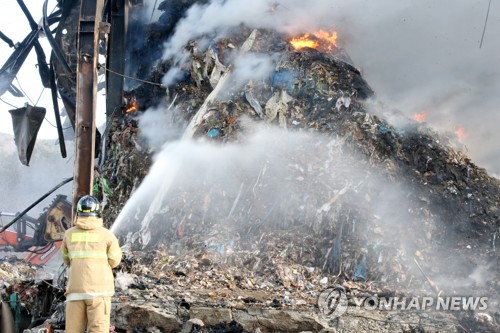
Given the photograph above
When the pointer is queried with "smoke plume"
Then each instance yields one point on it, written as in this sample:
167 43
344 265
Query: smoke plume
418 56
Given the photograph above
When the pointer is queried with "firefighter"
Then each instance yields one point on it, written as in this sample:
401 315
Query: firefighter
91 251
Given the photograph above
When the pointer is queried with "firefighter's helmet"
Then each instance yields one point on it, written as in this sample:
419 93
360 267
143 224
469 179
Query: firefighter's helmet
88 206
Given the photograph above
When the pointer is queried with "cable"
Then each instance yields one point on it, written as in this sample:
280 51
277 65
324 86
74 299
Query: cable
153 11
15 107
24 92
44 281
45 118
485 22
134 78
42 250
64 128
39 96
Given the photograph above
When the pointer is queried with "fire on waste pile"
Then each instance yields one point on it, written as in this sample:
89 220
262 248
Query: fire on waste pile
263 176
278 187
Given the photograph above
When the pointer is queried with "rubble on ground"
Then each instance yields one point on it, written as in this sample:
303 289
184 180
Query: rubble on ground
26 289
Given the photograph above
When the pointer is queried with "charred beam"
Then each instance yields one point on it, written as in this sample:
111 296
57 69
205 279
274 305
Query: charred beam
12 66
42 63
53 88
27 13
115 59
6 39
55 49
86 80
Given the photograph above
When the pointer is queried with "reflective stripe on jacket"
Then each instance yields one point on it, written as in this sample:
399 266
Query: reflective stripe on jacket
91 251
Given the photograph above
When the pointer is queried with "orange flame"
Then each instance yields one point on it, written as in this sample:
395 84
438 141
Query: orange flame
330 39
304 41
461 132
133 107
420 117
320 38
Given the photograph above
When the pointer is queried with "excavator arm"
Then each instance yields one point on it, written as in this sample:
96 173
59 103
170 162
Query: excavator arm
41 237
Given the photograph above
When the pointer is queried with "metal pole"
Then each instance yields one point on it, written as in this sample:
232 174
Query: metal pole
86 81
116 55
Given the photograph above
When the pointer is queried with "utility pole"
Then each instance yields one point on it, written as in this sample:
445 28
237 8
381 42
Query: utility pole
86 82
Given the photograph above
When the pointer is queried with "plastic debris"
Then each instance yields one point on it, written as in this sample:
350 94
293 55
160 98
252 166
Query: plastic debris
284 80
360 270
253 102
343 101
277 105
213 133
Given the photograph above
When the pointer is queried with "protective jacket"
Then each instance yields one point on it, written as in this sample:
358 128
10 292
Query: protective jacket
90 251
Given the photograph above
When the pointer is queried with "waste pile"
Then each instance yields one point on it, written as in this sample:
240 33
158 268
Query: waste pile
374 208
274 186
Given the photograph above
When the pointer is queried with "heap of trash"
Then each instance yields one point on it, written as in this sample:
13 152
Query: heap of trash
334 196
255 186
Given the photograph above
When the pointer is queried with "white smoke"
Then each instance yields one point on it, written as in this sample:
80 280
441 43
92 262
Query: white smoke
22 185
418 56
173 75
251 66
157 126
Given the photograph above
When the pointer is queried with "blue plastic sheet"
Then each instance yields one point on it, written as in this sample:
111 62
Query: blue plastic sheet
284 80
360 271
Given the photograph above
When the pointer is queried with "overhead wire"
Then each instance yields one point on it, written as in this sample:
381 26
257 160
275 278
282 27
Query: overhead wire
153 11
134 78
39 96
24 92
45 118
15 107
485 22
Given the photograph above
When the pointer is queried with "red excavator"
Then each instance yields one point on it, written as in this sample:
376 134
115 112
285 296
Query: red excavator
84 28
40 238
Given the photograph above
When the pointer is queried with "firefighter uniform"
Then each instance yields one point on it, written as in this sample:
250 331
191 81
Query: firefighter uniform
91 251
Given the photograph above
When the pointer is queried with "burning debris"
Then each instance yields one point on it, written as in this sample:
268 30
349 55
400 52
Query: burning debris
420 117
321 40
277 227
283 182
460 132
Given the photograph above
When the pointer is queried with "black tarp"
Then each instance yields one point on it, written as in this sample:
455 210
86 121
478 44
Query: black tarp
26 122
